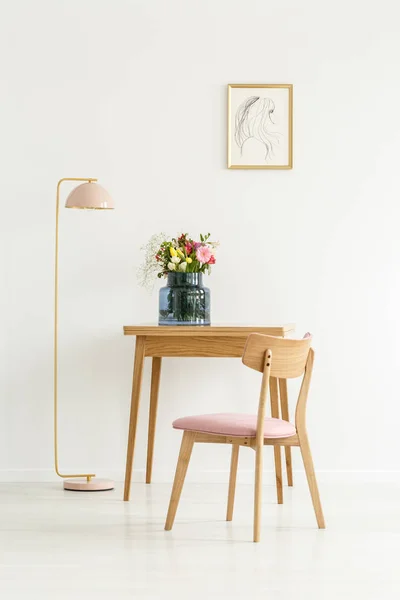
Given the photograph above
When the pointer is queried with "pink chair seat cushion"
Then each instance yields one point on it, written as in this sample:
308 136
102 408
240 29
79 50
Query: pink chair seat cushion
234 424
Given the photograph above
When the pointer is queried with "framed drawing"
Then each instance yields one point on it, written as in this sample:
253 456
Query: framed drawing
260 126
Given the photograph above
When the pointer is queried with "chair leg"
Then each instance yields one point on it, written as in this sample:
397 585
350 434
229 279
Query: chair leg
258 493
274 396
289 470
312 482
283 394
232 481
180 473
278 474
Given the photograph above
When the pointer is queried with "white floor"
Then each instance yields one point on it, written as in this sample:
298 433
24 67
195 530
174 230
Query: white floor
58 545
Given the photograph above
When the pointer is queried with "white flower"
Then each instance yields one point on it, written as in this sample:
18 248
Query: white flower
175 259
213 245
147 272
182 267
171 266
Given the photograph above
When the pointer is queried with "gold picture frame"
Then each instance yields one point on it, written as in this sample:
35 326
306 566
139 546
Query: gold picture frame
267 121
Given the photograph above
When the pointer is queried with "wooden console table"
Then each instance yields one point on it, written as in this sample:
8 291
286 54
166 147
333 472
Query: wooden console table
195 341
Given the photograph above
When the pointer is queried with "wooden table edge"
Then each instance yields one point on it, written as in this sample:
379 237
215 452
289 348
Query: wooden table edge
206 331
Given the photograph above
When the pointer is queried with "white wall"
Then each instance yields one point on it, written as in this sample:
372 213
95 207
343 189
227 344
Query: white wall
134 92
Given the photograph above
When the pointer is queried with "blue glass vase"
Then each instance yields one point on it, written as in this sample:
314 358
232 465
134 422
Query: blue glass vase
184 300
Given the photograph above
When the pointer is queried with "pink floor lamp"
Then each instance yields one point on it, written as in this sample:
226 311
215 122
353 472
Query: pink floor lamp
88 195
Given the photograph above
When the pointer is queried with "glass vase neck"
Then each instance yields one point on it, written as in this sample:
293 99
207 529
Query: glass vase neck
185 279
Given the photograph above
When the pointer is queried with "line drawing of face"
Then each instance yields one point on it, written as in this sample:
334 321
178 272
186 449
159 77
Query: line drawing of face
253 119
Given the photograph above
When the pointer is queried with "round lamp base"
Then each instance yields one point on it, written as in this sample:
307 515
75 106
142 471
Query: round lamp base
94 485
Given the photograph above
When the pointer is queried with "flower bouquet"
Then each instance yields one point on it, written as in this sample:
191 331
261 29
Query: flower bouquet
183 261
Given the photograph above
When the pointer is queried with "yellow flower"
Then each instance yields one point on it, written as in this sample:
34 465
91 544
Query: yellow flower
189 260
172 251
180 253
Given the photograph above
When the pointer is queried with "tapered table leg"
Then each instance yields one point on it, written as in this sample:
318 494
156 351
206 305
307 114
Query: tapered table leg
135 399
155 386
285 416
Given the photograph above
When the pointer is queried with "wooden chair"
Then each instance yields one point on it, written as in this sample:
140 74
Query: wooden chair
276 358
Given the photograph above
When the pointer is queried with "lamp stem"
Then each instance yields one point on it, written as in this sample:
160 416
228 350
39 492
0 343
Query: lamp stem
87 475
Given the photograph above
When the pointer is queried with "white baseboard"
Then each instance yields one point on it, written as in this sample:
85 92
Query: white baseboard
206 476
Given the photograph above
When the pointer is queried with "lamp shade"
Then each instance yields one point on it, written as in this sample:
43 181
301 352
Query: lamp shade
91 196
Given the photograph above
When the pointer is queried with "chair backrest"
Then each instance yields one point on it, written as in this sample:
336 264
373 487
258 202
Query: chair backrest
289 357
279 358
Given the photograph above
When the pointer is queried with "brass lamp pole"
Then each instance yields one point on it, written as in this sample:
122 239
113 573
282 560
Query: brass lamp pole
88 195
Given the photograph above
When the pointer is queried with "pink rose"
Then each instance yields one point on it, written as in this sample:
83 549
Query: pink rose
188 248
203 254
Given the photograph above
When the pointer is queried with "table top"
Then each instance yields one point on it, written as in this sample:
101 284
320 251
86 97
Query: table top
207 330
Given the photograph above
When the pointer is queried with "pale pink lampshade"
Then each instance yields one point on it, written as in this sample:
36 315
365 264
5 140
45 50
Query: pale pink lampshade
90 196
